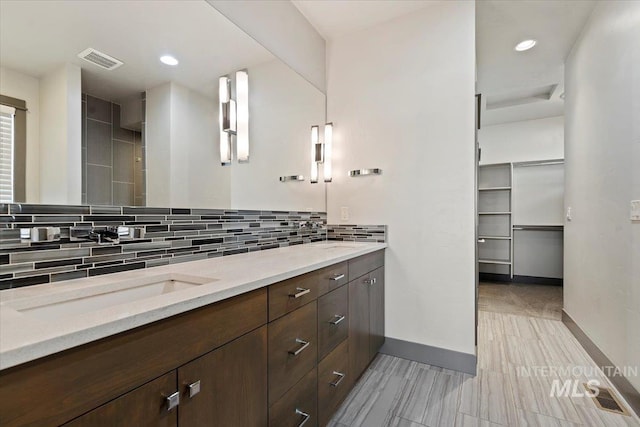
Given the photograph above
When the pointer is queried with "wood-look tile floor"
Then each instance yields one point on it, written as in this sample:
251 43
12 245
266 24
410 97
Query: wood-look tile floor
401 393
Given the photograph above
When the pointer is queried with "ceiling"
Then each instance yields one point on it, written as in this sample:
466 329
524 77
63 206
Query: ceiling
334 18
525 85
36 37
515 85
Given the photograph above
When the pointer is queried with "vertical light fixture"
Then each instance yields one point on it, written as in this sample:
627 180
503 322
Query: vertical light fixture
224 93
328 142
315 144
242 105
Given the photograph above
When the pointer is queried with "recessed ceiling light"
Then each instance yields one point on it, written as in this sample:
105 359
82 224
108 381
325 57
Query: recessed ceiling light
525 45
169 60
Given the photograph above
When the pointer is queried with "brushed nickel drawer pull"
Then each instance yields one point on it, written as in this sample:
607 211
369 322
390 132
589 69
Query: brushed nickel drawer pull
194 388
301 292
338 319
339 380
337 277
368 281
304 415
172 401
304 345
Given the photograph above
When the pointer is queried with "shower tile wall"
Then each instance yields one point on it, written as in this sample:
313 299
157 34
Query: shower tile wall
113 169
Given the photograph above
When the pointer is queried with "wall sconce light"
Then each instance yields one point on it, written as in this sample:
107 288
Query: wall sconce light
321 152
234 118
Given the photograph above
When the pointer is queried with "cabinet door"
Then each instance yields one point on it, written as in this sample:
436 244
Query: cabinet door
145 406
358 326
228 386
376 312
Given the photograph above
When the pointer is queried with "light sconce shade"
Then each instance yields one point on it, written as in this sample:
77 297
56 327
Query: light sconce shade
224 93
315 156
242 105
321 152
328 143
234 118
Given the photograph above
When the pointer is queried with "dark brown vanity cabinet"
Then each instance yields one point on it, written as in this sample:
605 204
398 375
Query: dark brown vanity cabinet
366 308
278 356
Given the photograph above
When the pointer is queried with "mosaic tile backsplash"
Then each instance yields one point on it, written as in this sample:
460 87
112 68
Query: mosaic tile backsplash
357 233
169 235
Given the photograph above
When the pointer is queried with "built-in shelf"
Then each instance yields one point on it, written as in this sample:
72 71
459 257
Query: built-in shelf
495 246
494 261
494 189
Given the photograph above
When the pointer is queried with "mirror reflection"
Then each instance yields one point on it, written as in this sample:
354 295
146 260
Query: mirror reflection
116 103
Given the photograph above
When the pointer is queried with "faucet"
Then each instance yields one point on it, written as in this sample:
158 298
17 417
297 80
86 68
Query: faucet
108 235
310 225
104 235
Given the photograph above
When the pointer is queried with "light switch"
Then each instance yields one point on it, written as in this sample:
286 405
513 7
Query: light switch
344 213
635 210
569 217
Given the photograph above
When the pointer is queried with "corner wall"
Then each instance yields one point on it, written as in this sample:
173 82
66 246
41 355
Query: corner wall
60 136
401 97
602 245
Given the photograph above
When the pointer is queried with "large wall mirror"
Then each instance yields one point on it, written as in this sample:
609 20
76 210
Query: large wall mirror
145 132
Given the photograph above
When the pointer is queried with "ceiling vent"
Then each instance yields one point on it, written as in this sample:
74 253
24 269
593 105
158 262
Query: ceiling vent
100 59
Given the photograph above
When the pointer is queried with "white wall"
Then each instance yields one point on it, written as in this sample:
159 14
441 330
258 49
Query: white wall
602 246
27 88
540 139
401 96
283 107
283 30
60 136
183 160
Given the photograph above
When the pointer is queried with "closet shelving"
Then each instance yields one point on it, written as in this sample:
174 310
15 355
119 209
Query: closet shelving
495 251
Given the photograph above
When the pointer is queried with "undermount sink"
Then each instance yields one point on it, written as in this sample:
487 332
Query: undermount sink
339 247
93 298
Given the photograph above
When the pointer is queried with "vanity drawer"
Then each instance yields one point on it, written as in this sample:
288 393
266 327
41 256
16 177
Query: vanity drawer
297 405
333 320
293 349
288 295
68 384
333 277
333 382
365 263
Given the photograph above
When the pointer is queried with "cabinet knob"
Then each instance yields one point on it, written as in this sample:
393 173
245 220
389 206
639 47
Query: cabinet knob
340 376
338 319
369 281
337 277
303 344
172 401
299 292
305 417
194 388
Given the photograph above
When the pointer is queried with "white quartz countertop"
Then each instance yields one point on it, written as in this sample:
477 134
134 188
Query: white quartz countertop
25 337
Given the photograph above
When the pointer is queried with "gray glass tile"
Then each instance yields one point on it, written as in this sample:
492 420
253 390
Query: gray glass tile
49 254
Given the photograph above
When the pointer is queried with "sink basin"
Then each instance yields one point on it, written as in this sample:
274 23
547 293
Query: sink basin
92 298
339 247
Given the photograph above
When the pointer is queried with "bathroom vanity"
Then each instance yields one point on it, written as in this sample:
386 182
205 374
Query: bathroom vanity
272 338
